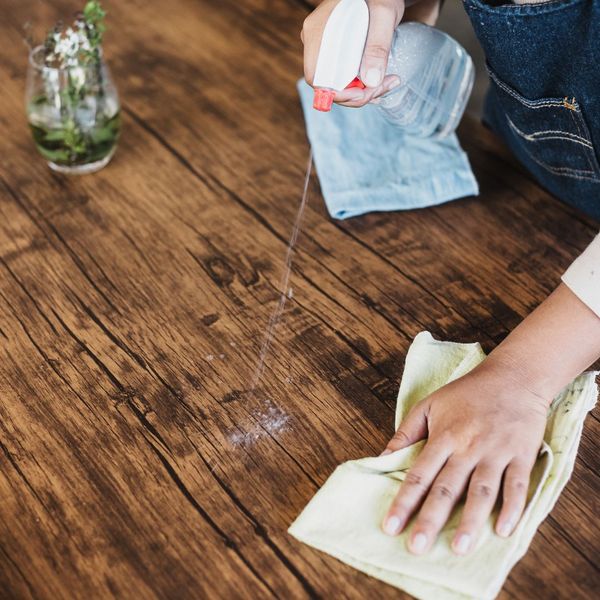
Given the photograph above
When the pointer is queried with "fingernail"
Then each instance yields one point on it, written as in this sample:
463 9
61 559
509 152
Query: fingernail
392 525
386 451
462 544
394 83
418 543
505 529
373 77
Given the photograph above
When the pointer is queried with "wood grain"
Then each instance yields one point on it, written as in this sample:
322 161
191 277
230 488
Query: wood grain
134 463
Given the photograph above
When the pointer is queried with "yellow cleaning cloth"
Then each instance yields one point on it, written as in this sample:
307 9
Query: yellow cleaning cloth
344 518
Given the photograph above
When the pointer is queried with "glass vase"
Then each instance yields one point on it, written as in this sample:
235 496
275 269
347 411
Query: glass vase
73 113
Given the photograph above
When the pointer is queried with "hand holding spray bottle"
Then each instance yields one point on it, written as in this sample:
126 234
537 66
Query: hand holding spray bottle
436 73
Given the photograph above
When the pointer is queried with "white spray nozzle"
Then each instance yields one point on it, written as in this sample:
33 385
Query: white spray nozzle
341 51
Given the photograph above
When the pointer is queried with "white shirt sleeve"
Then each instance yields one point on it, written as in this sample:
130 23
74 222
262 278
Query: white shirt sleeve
583 276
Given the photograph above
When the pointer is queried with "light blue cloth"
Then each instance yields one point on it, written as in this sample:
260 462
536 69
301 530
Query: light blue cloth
365 164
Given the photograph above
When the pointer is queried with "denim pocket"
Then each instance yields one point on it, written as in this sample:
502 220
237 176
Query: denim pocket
551 132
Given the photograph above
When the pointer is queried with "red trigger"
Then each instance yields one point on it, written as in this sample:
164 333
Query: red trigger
356 83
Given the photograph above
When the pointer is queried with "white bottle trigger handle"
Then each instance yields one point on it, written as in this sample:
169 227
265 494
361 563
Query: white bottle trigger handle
340 53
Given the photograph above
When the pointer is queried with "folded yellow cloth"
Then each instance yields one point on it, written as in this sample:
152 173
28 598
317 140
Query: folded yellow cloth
344 517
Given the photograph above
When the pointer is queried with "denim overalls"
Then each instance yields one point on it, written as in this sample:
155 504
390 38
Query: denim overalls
544 96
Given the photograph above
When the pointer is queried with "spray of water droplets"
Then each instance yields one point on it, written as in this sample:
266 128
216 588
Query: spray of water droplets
284 289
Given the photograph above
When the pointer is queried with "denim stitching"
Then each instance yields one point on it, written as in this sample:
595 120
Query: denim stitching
587 156
586 133
539 136
529 103
563 171
569 137
573 107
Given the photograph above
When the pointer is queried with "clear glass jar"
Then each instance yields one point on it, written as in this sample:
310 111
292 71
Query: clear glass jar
73 114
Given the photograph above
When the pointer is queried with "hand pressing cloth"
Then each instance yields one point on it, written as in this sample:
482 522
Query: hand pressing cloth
344 518
366 164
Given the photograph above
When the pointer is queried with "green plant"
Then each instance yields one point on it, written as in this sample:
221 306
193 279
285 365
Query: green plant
78 44
74 83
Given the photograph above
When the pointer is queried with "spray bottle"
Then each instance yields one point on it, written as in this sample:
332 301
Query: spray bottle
436 73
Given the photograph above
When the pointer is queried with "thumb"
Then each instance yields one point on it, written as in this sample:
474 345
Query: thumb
312 33
384 16
412 429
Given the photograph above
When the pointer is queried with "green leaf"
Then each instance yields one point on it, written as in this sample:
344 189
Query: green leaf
103 134
93 12
60 156
39 99
55 135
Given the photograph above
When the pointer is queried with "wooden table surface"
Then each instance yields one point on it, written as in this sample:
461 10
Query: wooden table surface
134 462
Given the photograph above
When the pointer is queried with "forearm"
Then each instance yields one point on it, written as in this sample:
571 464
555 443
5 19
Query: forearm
554 344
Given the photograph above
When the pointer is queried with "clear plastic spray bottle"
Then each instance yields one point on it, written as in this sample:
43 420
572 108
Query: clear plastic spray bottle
436 73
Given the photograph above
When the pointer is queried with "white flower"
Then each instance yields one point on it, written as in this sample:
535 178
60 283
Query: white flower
69 45
77 76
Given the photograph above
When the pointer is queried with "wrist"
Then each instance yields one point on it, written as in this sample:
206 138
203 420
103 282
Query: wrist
520 372
549 348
